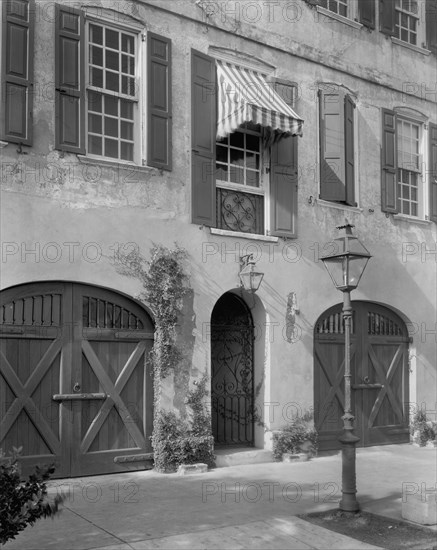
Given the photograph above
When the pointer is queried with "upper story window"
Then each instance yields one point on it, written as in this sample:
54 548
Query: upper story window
104 73
337 145
336 6
244 137
112 93
409 166
406 20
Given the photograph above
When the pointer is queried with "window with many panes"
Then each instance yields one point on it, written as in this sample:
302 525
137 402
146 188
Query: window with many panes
112 95
336 6
239 185
408 173
406 20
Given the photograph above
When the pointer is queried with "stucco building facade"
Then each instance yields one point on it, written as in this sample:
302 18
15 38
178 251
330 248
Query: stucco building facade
110 112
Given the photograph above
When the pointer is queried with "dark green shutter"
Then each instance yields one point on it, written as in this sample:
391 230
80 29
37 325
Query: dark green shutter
69 80
389 186
203 138
332 149
349 108
387 16
283 187
159 127
433 172
367 13
17 71
431 25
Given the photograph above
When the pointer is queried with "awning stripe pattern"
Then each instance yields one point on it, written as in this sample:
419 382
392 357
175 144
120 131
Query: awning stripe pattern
244 95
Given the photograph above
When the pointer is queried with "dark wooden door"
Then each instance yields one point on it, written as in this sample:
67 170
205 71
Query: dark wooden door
77 385
232 380
379 368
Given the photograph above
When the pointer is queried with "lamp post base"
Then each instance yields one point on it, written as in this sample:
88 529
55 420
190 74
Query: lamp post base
348 502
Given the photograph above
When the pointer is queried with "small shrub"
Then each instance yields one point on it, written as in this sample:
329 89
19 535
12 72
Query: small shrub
421 429
21 504
176 441
297 436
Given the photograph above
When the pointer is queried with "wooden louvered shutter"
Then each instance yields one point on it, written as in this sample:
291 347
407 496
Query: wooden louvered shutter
203 133
433 172
387 16
17 71
159 116
389 195
349 145
69 80
367 13
431 25
332 149
284 174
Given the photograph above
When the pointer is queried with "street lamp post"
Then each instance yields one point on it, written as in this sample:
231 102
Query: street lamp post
346 266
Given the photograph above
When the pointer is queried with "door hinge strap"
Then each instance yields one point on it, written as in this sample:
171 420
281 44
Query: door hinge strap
133 458
78 396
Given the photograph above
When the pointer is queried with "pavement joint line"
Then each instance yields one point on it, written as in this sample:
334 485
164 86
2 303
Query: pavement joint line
98 527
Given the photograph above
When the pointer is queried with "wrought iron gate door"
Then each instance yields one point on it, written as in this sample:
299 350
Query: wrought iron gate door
232 381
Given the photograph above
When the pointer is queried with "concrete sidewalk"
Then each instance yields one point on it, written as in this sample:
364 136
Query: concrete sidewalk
252 506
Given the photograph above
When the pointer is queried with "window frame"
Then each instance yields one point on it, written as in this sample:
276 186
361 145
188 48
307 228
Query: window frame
139 133
411 16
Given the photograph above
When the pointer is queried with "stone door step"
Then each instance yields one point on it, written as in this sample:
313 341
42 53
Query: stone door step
241 455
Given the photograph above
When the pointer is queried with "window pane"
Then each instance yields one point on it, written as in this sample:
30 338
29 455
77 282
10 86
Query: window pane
237 157
111 127
127 85
222 154
127 151
221 172
95 102
127 109
96 34
112 60
252 143
237 139
96 56
252 178
111 105
95 145
252 161
111 39
128 64
127 130
95 124
111 148
112 81
127 44
96 77
236 175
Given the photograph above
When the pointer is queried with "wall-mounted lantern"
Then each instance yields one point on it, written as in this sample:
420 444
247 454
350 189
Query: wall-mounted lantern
249 278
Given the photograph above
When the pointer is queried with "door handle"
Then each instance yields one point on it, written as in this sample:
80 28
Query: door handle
76 387
366 380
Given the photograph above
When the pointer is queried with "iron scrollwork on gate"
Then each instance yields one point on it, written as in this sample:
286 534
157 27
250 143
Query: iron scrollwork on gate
232 384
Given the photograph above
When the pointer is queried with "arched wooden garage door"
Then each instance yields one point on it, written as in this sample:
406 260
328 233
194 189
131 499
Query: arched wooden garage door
380 376
75 386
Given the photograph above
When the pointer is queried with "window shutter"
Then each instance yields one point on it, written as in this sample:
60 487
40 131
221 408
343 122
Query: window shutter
367 13
283 187
387 16
433 172
203 132
389 199
17 71
69 80
349 107
159 128
431 25
332 149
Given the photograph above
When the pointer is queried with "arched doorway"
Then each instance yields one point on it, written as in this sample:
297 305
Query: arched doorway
380 376
75 386
232 378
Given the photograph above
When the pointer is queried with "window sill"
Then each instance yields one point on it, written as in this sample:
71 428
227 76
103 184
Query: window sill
114 164
411 219
337 206
418 49
340 18
3 144
240 235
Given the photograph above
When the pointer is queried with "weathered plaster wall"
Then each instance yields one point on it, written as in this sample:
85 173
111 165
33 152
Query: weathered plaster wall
75 215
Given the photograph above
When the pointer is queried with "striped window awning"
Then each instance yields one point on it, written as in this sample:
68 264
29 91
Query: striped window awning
244 95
